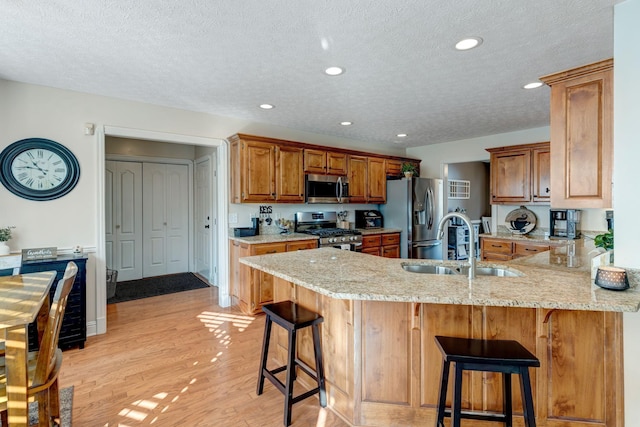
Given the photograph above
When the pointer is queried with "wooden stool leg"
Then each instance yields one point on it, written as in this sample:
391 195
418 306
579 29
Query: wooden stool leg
291 366
442 397
456 411
527 398
507 404
317 350
265 354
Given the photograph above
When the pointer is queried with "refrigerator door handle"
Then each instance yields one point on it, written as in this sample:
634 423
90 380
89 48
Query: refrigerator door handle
430 207
427 245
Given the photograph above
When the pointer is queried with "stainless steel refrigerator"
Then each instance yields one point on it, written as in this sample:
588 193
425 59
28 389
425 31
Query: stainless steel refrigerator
415 206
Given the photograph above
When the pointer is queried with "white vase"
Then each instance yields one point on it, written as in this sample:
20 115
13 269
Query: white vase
4 248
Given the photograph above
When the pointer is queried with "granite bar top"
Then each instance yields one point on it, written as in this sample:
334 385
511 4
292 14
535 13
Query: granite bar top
559 278
273 238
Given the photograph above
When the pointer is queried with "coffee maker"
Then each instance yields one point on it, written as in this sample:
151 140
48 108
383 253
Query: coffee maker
564 223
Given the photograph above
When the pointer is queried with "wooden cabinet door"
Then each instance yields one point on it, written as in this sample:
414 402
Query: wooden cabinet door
372 250
582 136
258 171
302 245
235 172
315 161
358 179
526 249
234 268
289 174
510 176
541 179
394 168
580 356
496 250
391 251
336 163
377 185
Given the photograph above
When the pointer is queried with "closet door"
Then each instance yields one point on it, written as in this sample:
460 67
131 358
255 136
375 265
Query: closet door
123 218
166 222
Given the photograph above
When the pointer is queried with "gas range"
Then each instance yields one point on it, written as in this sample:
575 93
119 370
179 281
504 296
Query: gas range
323 225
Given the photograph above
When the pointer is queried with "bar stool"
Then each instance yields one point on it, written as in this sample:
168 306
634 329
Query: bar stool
505 356
292 317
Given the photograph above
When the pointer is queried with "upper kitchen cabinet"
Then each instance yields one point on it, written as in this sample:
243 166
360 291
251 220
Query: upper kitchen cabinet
520 174
582 136
394 167
325 162
377 180
358 179
263 171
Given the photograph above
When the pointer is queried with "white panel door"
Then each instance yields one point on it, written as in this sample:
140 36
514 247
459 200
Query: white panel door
205 220
166 221
123 218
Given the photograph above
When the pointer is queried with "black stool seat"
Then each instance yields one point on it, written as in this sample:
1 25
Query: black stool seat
292 317
504 356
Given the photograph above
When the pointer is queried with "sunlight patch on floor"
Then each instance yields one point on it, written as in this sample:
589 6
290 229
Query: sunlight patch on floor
213 320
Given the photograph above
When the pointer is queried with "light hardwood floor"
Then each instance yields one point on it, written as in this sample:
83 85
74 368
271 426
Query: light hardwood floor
178 360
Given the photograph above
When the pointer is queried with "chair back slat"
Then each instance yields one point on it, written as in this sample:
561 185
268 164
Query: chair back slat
49 344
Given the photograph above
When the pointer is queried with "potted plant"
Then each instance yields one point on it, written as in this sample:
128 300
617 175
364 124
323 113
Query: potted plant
5 236
409 170
605 241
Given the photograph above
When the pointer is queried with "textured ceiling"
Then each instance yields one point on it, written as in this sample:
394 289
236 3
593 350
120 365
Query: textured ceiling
226 57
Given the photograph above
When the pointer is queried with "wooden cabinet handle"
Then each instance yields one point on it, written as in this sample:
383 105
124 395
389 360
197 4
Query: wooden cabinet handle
496 246
271 252
529 249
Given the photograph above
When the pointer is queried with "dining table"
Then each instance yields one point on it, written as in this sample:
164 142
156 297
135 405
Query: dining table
24 298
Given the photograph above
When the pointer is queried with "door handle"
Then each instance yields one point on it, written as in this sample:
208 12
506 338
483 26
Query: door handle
206 226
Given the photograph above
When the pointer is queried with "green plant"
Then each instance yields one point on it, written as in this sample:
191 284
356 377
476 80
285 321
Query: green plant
409 167
5 234
604 240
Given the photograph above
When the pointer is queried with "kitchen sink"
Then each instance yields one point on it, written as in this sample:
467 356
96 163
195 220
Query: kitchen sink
428 269
491 271
463 270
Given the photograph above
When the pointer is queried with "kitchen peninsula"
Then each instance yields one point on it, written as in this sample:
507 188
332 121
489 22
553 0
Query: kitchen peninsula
382 365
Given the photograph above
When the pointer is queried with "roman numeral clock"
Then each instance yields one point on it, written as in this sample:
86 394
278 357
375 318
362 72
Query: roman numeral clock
38 169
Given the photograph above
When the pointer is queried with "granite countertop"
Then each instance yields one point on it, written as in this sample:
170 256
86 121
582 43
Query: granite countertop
531 238
369 231
559 278
273 238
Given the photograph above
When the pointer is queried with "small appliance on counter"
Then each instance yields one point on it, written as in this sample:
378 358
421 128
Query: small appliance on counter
369 219
564 223
247 231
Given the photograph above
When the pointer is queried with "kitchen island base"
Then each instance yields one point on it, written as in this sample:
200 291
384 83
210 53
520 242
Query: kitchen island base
382 366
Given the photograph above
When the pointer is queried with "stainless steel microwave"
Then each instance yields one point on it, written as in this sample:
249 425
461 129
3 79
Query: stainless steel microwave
326 189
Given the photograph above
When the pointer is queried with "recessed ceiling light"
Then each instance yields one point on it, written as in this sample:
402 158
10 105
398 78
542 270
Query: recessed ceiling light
468 43
533 85
267 106
346 123
401 135
334 71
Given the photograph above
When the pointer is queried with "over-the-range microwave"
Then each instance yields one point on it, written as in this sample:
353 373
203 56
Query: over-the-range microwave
326 189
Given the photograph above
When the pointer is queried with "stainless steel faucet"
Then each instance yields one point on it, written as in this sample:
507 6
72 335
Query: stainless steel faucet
472 238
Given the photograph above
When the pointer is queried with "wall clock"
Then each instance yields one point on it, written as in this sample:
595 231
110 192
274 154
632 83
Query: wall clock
38 169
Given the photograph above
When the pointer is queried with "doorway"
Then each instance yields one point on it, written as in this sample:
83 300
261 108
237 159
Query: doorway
219 157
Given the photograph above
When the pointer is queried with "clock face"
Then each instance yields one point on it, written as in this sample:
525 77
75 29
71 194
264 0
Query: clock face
38 169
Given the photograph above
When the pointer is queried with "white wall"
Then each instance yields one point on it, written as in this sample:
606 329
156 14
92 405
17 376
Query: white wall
626 174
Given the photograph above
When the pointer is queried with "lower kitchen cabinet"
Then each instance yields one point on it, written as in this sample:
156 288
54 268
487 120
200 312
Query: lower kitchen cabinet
251 289
382 364
504 249
73 331
386 245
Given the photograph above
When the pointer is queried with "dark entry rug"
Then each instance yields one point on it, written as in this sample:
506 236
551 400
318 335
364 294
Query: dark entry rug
154 286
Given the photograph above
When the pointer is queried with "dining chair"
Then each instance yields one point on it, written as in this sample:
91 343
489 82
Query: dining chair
44 364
